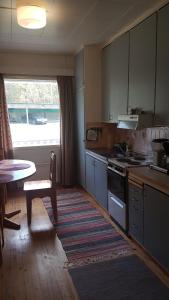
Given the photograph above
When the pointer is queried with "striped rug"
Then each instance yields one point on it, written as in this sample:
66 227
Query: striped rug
86 236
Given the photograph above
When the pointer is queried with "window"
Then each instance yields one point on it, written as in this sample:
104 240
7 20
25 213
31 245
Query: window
34 111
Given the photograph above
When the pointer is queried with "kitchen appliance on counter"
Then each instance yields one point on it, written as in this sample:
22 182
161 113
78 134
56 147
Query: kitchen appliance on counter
158 151
160 148
117 186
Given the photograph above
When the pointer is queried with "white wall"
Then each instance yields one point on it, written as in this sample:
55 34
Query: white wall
36 64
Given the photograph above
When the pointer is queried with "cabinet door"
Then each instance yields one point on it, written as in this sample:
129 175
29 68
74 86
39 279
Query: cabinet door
115 78
79 121
142 65
101 183
156 224
90 181
79 69
136 213
162 83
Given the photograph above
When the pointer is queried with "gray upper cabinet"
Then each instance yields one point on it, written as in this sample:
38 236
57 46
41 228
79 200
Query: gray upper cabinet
142 65
115 78
162 83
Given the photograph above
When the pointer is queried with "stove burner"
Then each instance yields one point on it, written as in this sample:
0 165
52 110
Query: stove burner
129 161
136 163
141 158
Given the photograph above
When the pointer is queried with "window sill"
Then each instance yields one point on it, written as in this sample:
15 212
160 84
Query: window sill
35 147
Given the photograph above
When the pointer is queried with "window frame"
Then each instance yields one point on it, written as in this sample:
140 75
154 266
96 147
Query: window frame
36 78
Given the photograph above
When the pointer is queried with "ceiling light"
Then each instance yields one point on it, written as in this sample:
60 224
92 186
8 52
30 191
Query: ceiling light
31 16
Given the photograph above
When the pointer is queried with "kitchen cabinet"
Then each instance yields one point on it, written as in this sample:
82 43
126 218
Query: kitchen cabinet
79 70
115 78
96 179
135 197
156 224
142 65
90 174
87 104
79 120
162 86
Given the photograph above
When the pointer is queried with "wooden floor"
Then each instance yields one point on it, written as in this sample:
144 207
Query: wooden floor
34 261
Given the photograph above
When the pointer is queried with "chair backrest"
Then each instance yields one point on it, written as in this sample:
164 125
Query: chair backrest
52 173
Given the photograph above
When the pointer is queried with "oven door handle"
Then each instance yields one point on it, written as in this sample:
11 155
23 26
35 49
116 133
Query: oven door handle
116 171
117 202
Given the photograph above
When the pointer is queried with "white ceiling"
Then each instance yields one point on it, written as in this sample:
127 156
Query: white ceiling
73 23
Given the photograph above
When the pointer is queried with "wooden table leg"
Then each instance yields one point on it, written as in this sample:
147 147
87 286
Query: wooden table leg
7 223
13 213
1 226
11 225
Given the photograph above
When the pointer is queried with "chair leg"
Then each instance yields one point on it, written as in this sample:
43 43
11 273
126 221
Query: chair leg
54 206
29 208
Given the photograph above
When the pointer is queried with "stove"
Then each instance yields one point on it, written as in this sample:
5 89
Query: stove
123 163
117 186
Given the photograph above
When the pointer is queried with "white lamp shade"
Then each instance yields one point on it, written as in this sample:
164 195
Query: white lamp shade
32 17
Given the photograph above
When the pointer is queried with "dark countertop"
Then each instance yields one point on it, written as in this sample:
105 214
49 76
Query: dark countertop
101 154
156 179
104 152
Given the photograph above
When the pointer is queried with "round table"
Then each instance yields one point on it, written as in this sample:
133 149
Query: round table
15 169
12 170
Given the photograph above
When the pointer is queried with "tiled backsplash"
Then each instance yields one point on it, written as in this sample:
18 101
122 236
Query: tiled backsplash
138 140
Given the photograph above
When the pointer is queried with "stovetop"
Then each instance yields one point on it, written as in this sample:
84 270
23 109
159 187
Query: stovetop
130 161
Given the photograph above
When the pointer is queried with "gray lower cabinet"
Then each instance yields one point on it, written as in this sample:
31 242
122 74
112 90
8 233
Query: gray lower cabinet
135 197
90 174
156 224
101 183
96 179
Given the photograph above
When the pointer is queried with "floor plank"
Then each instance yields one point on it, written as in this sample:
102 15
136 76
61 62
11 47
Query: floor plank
34 261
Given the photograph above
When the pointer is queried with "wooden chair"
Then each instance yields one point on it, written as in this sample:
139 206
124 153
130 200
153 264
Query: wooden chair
42 188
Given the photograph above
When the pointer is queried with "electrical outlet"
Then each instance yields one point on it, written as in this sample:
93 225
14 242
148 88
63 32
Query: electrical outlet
110 116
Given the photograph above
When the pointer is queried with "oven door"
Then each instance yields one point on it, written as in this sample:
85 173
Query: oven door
117 196
117 184
117 209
